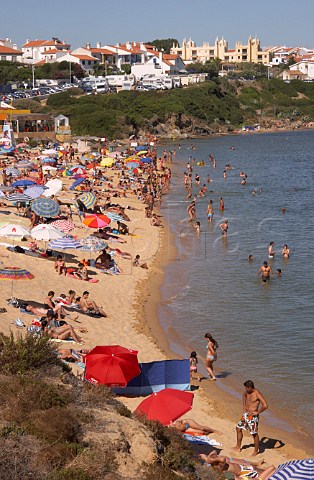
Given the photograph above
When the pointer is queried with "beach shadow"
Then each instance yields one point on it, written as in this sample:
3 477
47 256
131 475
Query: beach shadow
204 448
266 443
223 374
194 387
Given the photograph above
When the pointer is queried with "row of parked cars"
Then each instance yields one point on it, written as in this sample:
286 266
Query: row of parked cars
43 90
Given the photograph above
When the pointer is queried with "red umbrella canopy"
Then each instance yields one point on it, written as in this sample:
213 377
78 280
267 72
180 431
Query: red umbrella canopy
96 221
111 365
166 406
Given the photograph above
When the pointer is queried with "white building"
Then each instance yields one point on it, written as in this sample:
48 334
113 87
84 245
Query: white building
9 51
303 70
159 64
81 56
35 51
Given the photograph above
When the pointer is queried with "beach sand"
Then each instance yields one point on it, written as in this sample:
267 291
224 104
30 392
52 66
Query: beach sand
131 302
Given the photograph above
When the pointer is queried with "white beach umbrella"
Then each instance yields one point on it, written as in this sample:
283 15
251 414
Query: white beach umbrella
14 230
46 233
47 168
52 187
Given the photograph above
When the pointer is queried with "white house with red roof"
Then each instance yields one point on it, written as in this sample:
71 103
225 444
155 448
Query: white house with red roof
159 64
303 70
81 56
35 51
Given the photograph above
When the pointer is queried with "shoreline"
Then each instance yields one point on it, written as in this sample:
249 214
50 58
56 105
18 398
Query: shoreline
224 399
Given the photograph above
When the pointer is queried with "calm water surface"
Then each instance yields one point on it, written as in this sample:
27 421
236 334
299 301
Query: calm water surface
265 332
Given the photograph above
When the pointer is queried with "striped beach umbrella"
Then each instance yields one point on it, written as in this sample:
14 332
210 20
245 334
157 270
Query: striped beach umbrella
96 221
78 171
13 171
15 273
65 243
45 207
114 217
88 199
34 191
18 198
295 470
63 225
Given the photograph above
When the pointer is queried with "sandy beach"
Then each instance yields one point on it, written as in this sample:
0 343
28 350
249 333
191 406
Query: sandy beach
131 301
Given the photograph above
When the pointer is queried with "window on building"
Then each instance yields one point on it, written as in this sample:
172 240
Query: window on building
179 52
260 57
14 58
3 57
226 58
244 58
89 62
194 52
83 62
244 51
211 52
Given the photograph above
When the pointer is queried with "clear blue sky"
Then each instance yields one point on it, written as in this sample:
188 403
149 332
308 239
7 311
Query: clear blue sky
275 22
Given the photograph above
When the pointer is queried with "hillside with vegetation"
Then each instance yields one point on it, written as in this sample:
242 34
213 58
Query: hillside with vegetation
216 106
54 426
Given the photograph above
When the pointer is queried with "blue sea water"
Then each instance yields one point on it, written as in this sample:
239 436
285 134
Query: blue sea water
265 331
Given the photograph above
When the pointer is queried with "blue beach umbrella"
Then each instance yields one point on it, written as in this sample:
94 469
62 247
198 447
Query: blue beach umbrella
23 183
45 207
132 165
34 191
295 470
49 160
146 160
19 197
65 243
77 182
140 147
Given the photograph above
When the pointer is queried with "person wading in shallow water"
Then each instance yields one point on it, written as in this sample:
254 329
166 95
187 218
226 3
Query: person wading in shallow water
253 405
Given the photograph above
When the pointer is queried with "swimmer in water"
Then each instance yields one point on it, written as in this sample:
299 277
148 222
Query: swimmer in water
221 204
224 228
285 251
225 174
210 211
197 227
266 271
271 251
250 258
279 272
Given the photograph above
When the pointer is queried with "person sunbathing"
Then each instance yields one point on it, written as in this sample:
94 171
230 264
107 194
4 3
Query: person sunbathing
106 234
42 312
188 424
81 272
60 266
136 263
60 333
89 306
103 260
240 470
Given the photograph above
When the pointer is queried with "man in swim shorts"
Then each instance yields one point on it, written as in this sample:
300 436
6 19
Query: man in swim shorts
210 211
266 271
253 405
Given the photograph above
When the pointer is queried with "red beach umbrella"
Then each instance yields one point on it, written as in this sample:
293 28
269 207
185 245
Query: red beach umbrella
96 221
166 406
111 365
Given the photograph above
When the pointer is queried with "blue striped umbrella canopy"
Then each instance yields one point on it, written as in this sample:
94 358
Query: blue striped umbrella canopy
295 470
23 183
88 199
34 192
45 207
12 171
19 197
65 243
24 165
114 217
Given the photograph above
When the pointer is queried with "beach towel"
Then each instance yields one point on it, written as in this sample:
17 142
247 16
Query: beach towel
58 340
90 280
202 440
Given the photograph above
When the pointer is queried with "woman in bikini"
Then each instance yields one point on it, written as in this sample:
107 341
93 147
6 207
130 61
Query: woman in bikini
59 333
211 355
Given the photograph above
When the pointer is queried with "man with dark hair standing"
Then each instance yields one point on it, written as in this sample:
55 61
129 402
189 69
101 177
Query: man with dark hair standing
253 404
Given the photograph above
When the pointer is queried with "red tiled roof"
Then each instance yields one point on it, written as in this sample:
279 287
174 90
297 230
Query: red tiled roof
34 43
104 51
85 57
51 43
9 51
169 56
41 62
121 48
53 50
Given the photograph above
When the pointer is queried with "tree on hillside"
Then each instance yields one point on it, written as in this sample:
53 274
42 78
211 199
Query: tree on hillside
211 67
164 43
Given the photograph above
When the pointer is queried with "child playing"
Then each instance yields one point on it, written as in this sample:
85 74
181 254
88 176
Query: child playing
193 366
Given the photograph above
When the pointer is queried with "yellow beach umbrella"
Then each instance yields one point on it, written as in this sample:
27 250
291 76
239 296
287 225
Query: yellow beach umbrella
107 162
142 152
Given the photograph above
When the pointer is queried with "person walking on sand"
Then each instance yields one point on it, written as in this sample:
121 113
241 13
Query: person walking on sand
253 405
266 271
211 355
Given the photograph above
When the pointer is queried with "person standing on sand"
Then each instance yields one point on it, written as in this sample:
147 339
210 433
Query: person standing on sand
211 355
253 405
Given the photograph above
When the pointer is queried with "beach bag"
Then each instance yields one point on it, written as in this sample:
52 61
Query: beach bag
19 249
